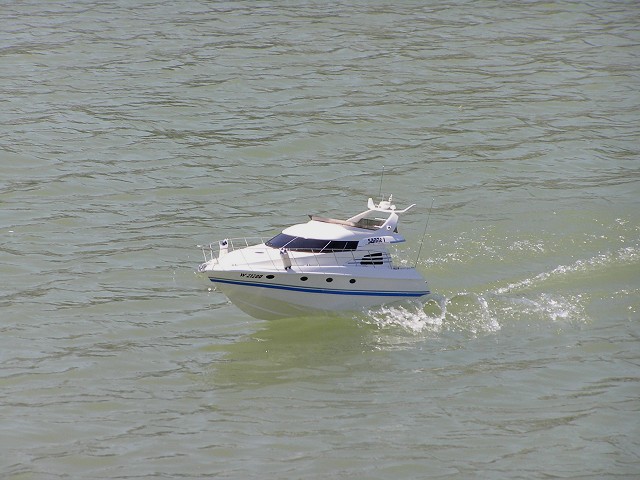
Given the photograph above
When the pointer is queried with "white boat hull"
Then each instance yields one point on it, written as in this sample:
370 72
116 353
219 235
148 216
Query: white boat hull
289 294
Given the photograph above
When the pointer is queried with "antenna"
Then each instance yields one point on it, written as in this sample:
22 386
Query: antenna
425 231
381 177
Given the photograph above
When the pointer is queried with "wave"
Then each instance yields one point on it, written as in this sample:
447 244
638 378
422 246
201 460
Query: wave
538 301
476 314
623 256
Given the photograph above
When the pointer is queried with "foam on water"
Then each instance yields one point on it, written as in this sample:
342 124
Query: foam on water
532 301
475 314
475 277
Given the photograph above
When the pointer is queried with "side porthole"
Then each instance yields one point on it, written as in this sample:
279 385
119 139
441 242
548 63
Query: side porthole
329 280
353 280
269 277
304 279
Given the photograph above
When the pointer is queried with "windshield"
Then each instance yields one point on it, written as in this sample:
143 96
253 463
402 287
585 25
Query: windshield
310 244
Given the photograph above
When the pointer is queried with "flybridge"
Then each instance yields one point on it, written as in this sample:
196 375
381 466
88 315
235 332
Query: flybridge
363 220
386 227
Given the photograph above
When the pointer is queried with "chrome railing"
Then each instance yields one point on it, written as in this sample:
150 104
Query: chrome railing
213 249
287 258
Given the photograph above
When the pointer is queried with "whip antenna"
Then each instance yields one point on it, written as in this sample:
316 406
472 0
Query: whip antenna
425 231
381 177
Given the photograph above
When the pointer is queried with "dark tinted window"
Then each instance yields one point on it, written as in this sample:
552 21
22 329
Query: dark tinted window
310 244
372 259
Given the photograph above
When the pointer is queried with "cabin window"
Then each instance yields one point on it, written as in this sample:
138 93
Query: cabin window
311 244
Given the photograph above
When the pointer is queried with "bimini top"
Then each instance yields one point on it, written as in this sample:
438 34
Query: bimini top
378 224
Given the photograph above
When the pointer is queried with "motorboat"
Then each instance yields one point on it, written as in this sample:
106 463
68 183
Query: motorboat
323 265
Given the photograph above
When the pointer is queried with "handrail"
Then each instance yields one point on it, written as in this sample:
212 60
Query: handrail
352 258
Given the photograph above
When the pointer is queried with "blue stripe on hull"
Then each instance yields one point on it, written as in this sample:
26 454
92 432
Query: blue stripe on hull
322 290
